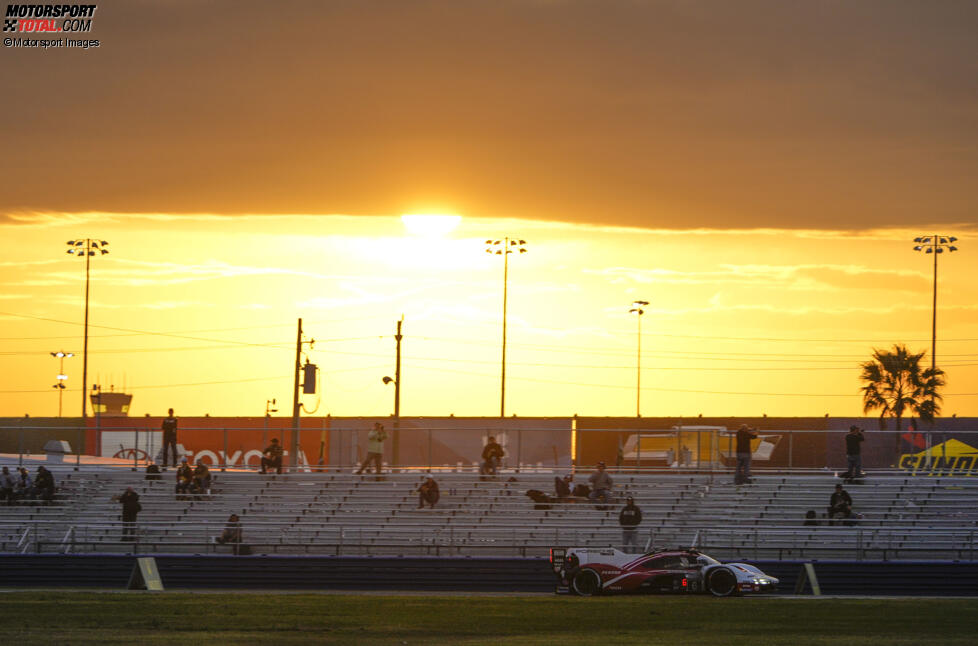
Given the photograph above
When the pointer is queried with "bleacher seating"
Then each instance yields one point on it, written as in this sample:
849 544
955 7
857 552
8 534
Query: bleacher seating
897 516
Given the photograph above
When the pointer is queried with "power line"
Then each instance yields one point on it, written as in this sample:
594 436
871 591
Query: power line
672 390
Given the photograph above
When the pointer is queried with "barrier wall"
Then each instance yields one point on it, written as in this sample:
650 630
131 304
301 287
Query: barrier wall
905 578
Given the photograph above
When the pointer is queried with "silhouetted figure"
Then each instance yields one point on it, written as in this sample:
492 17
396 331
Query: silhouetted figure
840 505
130 509
202 479
629 518
375 447
232 533
744 435
170 437
44 484
562 486
810 518
854 460
492 455
24 485
153 470
272 457
185 476
428 493
601 484
7 483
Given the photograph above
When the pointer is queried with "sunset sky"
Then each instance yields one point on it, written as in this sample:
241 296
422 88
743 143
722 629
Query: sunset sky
755 170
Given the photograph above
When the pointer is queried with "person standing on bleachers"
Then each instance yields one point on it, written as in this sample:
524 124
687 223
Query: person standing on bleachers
601 484
744 435
375 447
170 437
271 457
629 518
130 509
854 459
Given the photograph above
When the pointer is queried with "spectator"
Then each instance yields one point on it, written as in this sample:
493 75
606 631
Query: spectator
152 470
601 484
854 440
629 518
170 437
428 493
272 457
810 517
840 505
562 486
492 455
130 509
375 447
581 490
744 435
232 533
7 483
185 476
23 485
44 484
202 479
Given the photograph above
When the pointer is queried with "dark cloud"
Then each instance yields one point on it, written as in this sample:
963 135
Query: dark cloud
661 114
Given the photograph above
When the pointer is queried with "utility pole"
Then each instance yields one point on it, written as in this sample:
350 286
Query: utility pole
295 397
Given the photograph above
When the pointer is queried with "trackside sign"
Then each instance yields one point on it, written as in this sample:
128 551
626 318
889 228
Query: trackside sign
948 458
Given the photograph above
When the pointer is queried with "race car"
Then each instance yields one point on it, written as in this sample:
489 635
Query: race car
587 572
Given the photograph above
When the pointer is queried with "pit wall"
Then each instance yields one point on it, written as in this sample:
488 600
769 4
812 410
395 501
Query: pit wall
517 575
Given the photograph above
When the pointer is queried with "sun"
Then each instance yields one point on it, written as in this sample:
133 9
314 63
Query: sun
429 225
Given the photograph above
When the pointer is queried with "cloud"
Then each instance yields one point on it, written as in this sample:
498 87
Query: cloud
802 277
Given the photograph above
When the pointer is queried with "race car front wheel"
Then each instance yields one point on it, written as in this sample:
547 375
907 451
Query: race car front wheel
586 583
722 583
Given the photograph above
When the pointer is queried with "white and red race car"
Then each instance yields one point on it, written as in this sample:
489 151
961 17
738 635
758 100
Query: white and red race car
587 572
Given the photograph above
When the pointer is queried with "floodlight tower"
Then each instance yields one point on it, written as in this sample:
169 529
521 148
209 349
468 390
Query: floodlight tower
503 248
637 309
934 244
61 355
86 247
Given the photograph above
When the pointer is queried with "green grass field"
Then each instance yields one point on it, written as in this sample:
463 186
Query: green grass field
29 617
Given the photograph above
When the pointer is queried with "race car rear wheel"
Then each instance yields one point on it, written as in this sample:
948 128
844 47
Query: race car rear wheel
722 583
586 583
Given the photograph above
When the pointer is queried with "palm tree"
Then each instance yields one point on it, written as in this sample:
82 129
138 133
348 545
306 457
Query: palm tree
896 384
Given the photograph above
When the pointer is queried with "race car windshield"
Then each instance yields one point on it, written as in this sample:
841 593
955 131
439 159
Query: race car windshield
703 559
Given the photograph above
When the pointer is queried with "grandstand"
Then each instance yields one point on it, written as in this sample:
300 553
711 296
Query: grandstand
900 517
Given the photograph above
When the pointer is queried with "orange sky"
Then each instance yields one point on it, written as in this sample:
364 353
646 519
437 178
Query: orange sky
199 313
755 169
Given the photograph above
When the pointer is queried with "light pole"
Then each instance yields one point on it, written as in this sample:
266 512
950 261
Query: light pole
269 409
934 244
86 247
61 355
638 311
396 431
503 248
